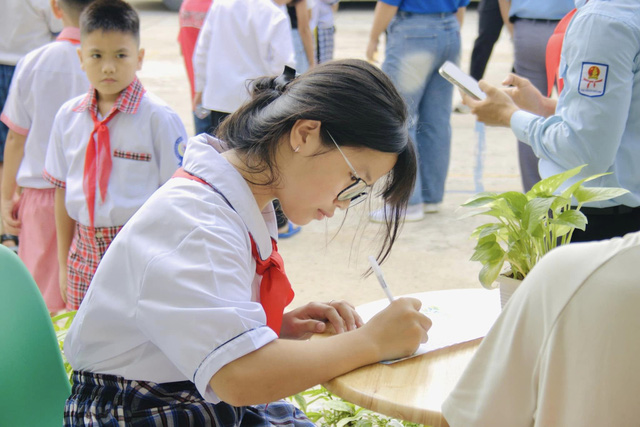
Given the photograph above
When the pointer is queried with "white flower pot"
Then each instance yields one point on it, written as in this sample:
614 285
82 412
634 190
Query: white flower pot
508 286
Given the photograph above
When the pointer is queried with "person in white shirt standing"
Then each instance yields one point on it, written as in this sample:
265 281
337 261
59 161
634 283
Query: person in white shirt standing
325 30
44 80
24 25
239 41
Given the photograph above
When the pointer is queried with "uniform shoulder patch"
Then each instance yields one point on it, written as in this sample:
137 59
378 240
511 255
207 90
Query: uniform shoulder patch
593 79
179 148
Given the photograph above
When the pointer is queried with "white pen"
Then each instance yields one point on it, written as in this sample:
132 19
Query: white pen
378 271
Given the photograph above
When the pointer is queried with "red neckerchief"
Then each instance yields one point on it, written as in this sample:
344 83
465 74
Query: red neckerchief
554 51
97 161
275 289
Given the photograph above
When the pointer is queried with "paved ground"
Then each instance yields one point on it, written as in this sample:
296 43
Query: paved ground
323 265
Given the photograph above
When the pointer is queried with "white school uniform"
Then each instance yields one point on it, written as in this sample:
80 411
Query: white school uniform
177 295
24 26
239 41
146 150
44 80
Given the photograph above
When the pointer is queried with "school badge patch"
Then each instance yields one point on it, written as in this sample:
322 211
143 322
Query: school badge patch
178 148
593 79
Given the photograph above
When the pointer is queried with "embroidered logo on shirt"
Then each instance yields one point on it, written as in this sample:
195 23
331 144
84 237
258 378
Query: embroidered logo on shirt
593 79
178 149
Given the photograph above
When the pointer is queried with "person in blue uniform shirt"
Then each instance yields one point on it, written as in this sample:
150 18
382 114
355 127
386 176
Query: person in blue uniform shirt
596 118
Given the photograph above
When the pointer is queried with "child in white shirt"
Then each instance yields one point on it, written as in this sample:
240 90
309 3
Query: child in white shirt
110 149
44 79
185 315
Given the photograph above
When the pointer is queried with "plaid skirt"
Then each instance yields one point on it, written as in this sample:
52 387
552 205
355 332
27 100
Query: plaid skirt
87 249
110 400
324 44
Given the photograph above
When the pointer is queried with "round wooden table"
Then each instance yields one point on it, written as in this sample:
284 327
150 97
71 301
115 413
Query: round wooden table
414 389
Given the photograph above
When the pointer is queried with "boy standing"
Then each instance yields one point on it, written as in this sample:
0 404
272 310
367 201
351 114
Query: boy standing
110 149
44 79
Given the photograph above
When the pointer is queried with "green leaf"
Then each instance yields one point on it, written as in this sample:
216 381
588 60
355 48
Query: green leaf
339 405
596 194
490 272
549 185
302 403
487 252
516 202
480 199
534 211
491 229
571 218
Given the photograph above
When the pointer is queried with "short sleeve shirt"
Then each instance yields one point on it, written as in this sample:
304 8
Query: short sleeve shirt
147 147
176 297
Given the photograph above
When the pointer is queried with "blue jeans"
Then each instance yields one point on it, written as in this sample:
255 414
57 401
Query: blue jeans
6 73
417 45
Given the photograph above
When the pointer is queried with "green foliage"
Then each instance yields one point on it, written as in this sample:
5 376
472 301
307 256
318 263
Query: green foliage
530 225
327 410
61 324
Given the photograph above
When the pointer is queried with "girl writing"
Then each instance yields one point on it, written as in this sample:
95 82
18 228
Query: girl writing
183 323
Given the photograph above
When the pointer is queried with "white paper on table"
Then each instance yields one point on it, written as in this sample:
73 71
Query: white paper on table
457 316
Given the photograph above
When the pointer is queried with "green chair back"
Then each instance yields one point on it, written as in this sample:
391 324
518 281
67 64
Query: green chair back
32 376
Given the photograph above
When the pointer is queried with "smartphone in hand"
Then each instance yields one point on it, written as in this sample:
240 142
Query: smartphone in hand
465 82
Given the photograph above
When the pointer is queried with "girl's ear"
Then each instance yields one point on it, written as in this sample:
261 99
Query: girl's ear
305 136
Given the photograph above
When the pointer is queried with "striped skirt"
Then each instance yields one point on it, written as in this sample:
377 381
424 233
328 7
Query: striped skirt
109 400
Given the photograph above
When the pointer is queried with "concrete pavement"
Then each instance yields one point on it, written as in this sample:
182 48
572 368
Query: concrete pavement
323 264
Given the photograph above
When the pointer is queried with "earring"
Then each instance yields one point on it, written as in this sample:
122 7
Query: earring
296 149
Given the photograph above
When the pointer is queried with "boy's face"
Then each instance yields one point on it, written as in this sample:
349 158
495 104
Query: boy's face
110 60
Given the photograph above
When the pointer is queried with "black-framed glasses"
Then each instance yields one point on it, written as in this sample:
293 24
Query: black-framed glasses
356 192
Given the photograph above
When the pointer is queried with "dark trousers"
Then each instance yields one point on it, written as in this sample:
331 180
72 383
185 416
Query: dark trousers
606 223
215 118
489 27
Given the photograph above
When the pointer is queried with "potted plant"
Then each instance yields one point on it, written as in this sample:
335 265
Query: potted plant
529 225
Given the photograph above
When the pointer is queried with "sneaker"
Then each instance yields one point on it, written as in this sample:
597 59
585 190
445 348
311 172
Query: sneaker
431 207
414 213
461 108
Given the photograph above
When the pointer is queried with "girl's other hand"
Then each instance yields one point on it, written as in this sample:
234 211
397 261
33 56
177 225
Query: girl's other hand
316 317
398 330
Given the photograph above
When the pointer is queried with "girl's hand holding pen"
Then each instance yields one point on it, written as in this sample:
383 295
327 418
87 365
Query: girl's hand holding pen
318 317
399 329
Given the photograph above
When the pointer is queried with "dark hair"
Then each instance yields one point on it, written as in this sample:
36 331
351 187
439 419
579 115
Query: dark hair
110 15
354 101
73 8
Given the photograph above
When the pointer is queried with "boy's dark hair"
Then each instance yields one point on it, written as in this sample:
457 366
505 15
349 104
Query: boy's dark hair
354 101
110 15
73 8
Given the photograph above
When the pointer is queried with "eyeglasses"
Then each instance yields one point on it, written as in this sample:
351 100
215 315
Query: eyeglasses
356 192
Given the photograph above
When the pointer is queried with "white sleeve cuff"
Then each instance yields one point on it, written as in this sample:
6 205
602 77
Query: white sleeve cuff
520 121
239 346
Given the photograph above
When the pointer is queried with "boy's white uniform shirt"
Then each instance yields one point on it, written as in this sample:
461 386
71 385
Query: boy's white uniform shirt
146 147
24 26
564 351
240 40
44 80
176 297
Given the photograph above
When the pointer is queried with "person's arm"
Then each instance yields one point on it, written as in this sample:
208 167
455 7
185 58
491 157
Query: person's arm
13 154
460 15
302 14
200 55
284 367
382 16
65 229
505 5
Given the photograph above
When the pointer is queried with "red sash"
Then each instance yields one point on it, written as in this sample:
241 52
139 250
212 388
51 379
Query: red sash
275 289
554 51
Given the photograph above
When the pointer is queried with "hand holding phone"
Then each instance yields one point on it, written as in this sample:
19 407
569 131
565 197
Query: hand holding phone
465 82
